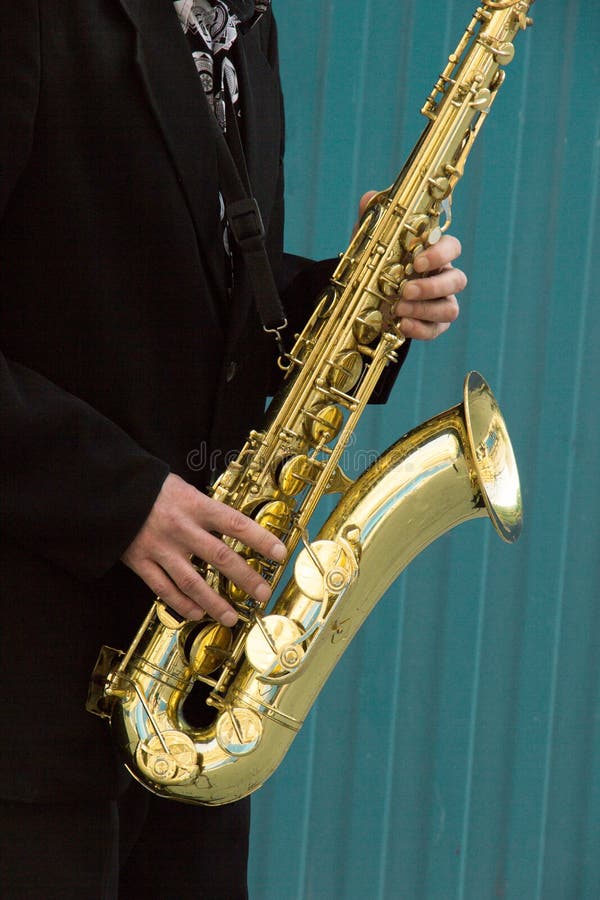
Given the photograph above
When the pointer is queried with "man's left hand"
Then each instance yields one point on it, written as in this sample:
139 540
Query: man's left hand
428 305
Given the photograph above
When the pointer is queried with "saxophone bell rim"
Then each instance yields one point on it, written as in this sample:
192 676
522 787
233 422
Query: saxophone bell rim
493 458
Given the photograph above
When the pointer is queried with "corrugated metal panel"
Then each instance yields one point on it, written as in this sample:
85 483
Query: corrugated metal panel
455 752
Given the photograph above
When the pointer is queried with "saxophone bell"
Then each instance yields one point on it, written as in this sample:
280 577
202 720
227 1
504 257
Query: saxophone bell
493 460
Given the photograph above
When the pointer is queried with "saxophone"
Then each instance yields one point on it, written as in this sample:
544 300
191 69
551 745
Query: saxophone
257 681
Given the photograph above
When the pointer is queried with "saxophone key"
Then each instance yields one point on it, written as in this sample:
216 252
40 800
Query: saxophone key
274 645
168 758
497 80
325 568
414 232
275 516
367 326
505 53
238 730
209 649
390 278
345 370
434 235
322 422
235 593
482 99
298 472
439 187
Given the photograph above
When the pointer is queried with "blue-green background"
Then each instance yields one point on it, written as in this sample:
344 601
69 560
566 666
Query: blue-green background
455 752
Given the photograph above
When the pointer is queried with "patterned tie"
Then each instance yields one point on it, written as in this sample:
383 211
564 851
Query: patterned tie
211 29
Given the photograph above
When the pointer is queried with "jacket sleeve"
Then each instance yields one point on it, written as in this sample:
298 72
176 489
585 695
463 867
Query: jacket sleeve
74 486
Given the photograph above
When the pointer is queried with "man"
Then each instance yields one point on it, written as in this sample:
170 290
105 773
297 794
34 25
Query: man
128 344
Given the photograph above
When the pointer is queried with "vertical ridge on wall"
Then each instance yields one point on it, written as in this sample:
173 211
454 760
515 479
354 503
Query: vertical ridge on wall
455 750
572 423
498 792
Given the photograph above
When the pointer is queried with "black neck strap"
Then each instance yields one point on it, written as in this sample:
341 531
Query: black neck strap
246 226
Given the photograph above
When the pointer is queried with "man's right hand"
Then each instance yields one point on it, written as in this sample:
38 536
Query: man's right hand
179 526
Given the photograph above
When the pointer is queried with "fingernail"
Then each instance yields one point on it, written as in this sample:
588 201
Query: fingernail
262 593
279 552
421 263
229 618
411 292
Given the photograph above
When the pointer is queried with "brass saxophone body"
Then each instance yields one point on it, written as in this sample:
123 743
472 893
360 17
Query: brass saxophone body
260 678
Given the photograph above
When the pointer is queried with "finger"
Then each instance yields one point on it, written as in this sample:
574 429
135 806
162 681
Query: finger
230 564
164 588
446 250
422 331
432 287
182 586
445 309
221 557
224 520
364 201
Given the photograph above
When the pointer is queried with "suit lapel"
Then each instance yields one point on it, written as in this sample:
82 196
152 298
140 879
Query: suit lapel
182 113
176 98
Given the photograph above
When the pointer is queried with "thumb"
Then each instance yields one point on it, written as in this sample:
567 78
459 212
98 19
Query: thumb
364 201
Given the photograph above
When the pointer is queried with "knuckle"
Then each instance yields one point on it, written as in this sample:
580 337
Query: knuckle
237 522
159 587
173 521
222 555
190 583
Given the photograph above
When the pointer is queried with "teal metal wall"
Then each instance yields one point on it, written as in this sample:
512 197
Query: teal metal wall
455 752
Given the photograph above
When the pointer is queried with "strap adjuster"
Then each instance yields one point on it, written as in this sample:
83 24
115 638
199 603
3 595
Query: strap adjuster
246 223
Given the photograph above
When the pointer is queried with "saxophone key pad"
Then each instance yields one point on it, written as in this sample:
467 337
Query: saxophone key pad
324 568
273 645
177 764
238 730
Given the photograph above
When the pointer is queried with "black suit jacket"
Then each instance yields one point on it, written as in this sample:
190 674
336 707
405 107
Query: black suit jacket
118 351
